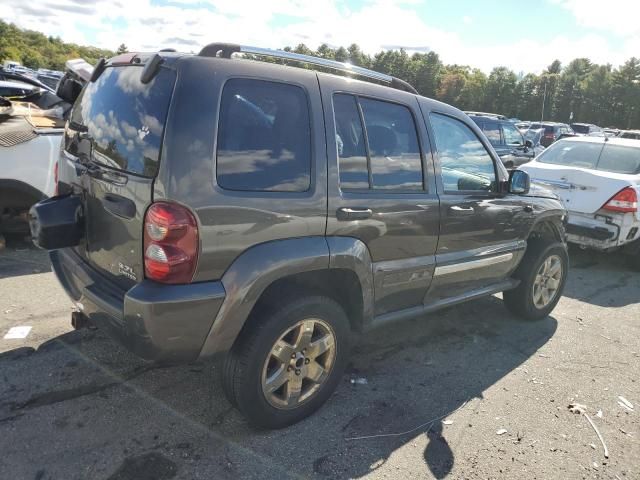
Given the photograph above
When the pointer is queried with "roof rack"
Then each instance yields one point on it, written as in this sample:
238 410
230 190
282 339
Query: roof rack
225 50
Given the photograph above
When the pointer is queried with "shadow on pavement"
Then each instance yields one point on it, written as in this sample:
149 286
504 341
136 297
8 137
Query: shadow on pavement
602 278
20 257
114 411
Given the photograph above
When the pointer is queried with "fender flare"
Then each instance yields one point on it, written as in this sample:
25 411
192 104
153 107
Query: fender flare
256 269
554 217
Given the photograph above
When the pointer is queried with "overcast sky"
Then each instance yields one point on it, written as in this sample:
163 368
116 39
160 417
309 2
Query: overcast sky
523 35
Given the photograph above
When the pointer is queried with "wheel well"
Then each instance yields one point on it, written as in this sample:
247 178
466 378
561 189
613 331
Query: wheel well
341 285
546 231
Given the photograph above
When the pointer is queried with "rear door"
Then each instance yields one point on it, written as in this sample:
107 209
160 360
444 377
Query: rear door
381 187
111 156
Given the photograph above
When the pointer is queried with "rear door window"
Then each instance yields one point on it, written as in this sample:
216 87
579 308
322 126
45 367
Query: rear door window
492 131
378 145
264 137
125 118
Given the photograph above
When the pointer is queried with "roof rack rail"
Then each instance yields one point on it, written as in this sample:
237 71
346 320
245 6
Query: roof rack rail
225 50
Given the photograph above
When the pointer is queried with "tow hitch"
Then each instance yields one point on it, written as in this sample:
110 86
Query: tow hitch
79 320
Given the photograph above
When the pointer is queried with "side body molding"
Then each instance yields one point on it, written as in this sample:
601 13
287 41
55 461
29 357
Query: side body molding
248 277
352 254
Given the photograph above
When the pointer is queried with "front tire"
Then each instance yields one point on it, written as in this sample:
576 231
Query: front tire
288 361
542 274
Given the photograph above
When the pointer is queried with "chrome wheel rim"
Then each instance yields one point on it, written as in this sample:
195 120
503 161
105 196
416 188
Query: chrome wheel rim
299 363
547 282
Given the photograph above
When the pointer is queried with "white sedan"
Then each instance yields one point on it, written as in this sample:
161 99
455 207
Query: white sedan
598 180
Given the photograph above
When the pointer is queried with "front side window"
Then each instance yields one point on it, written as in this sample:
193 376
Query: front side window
388 156
466 165
264 137
511 135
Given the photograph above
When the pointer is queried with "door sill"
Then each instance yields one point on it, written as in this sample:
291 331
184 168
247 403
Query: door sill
413 312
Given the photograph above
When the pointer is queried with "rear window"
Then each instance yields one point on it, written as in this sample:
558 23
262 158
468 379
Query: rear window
125 118
597 156
619 159
573 154
264 137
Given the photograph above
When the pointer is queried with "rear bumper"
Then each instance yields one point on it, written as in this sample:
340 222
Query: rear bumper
603 230
156 322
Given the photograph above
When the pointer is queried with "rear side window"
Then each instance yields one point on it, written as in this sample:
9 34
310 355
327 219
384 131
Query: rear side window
572 153
125 118
466 164
264 137
385 154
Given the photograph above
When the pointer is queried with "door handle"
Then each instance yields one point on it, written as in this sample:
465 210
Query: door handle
528 208
458 210
118 205
354 213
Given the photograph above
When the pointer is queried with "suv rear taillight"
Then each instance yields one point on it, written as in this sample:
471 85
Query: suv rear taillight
170 243
626 200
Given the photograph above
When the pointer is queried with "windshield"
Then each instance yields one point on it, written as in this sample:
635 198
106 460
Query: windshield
533 135
596 156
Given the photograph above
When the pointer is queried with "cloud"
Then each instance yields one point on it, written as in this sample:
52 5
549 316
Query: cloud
375 24
616 16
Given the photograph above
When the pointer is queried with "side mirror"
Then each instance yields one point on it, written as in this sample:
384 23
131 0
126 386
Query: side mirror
528 143
519 182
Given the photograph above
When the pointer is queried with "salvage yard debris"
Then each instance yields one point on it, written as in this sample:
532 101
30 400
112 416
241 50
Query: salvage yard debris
623 402
580 409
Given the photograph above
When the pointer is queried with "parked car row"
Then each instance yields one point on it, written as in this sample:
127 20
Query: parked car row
32 118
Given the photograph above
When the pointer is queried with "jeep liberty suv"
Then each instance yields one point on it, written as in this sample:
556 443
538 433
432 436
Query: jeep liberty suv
215 205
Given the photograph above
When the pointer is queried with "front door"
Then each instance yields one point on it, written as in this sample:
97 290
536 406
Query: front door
481 231
381 188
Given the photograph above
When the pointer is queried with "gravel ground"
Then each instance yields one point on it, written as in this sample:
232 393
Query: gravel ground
74 404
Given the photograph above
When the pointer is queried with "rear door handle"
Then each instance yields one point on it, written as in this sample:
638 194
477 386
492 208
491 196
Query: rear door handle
354 213
458 210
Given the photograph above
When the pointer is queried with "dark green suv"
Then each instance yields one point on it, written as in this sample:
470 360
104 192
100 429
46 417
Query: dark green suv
215 205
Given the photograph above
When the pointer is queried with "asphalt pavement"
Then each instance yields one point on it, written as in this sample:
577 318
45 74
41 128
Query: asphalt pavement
469 392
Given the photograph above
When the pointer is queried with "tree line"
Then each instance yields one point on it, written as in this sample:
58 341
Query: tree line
36 50
599 94
594 93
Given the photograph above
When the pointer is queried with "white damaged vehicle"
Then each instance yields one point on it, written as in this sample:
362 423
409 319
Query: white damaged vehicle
598 180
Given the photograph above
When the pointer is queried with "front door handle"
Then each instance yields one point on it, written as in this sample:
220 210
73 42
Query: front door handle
458 210
354 213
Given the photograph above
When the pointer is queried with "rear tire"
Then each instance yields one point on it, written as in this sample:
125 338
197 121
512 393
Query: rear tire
540 286
283 347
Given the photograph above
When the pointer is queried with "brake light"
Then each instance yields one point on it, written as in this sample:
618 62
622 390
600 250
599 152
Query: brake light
626 200
170 243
